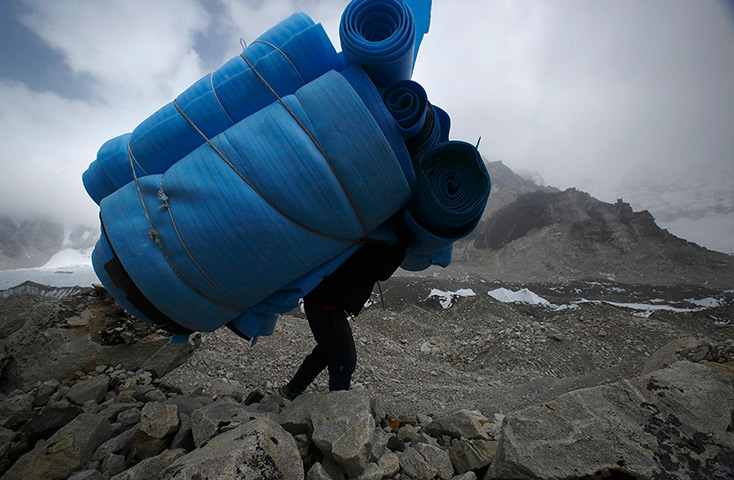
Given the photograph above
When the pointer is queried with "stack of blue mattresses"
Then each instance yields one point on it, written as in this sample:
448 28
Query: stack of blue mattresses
230 203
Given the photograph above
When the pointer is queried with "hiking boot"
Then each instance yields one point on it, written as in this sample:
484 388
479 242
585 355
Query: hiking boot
286 392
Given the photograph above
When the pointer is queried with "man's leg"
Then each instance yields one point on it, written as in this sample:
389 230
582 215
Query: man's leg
312 365
335 342
335 339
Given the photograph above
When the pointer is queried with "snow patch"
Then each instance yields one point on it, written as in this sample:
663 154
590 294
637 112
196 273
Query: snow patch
446 299
644 309
68 258
523 296
67 268
708 302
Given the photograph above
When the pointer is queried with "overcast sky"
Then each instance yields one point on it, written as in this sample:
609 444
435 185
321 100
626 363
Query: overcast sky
594 94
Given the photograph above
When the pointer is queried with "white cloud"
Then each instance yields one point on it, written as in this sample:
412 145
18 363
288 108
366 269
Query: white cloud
140 49
46 142
578 91
138 56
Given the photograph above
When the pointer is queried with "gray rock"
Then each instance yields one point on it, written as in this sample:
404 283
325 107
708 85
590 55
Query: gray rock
415 466
151 467
89 474
674 423
422 437
187 405
371 472
141 391
113 464
159 420
128 417
406 433
155 395
668 354
351 449
258 449
471 454
296 416
116 444
225 412
334 470
6 441
389 463
438 458
461 424
165 359
317 472
346 414
395 444
90 406
111 411
303 443
44 392
48 422
271 404
184 438
65 452
53 355
466 476
93 388
144 446
378 445
17 402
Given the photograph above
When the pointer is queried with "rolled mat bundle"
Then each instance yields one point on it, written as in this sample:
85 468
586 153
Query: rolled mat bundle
421 124
289 55
226 234
230 203
380 37
453 188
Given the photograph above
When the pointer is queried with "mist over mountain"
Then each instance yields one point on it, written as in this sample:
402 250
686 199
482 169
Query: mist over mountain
530 232
698 206
28 243
534 233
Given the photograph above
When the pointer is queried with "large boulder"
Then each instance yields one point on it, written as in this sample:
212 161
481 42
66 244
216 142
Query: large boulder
65 452
674 423
43 339
341 425
208 421
258 449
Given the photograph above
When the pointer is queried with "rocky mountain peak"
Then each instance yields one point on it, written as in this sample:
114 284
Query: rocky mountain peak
536 234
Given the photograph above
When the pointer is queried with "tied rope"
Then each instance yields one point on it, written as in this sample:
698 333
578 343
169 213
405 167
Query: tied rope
155 236
316 144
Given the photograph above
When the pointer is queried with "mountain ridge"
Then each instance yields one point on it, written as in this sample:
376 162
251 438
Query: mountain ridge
535 233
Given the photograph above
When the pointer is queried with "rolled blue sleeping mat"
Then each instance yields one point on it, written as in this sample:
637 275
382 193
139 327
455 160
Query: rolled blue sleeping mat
227 245
453 189
96 182
379 36
421 124
112 169
289 55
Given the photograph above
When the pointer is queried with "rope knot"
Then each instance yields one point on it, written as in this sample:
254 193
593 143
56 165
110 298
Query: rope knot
163 198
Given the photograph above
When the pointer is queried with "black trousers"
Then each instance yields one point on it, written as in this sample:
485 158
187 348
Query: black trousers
334 350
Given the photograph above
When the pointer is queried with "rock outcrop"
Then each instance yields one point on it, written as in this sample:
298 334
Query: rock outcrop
42 339
120 415
673 423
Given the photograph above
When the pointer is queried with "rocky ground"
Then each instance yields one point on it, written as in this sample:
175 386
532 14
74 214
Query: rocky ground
479 353
447 386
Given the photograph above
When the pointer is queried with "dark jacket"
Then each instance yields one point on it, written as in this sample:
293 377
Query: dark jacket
350 286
